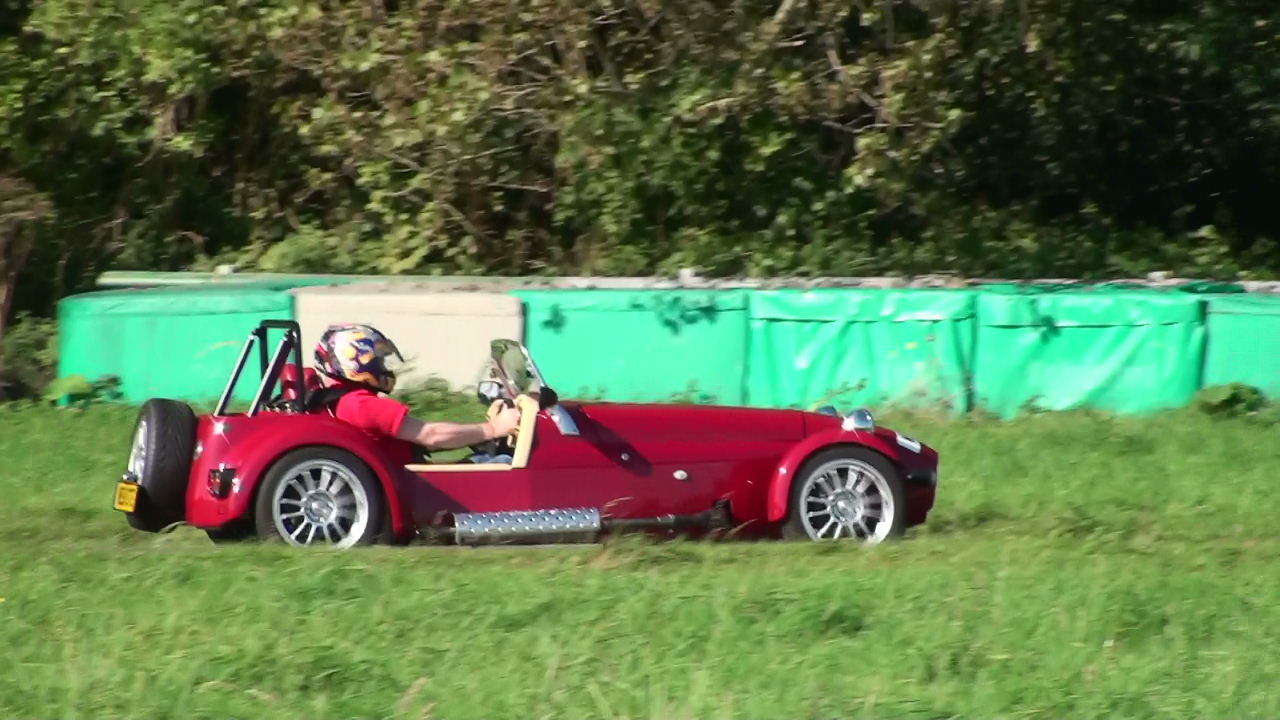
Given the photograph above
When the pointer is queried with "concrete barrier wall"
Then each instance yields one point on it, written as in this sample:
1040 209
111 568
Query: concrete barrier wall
440 334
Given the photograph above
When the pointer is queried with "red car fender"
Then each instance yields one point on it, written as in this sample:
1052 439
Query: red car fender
253 454
780 483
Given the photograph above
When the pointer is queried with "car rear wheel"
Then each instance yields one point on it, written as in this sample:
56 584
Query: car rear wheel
160 461
846 493
319 496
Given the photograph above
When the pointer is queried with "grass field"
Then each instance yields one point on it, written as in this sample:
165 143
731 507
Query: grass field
1076 566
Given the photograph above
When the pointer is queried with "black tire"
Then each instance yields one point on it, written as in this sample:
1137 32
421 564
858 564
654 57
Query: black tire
309 465
167 431
888 484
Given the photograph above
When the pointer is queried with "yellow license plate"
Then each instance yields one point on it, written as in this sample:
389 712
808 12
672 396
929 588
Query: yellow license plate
126 496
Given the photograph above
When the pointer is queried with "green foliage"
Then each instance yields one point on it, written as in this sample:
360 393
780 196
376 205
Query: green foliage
1233 400
1038 138
433 399
29 358
691 395
80 392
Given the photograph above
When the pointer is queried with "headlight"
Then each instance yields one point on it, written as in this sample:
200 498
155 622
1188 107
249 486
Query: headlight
860 419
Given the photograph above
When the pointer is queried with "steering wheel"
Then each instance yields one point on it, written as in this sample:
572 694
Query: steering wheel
498 445
497 407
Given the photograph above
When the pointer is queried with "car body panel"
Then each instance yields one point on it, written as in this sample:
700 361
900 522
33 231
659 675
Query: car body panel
628 460
250 445
828 432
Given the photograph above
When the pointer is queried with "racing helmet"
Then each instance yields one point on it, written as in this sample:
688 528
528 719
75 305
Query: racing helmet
356 353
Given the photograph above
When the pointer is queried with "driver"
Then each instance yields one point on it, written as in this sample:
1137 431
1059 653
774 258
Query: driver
350 362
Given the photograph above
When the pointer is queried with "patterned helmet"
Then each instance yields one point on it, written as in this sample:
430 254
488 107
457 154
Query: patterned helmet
355 353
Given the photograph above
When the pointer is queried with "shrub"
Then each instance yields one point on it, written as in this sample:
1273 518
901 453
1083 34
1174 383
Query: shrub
30 357
1231 400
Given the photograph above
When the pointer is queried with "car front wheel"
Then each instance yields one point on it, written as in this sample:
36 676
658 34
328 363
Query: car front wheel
846 493
319 496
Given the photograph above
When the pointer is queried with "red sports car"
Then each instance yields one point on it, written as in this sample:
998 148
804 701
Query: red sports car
284 469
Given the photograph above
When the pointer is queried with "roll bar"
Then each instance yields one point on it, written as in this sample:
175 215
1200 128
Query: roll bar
269 368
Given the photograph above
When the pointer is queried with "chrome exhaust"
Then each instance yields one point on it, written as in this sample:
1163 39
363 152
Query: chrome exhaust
558 525
566 525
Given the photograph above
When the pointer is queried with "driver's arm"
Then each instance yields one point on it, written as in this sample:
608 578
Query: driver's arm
447 435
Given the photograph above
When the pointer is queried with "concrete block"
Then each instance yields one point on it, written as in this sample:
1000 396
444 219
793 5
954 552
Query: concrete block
441 334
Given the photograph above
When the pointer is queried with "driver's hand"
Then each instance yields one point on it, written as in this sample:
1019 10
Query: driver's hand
503 419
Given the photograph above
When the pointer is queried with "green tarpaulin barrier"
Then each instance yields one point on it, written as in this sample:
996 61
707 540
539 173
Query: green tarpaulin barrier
177 342
1127 351
861 347
1244 342
645 345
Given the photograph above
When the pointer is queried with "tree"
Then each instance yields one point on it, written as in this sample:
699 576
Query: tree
991 138
22 208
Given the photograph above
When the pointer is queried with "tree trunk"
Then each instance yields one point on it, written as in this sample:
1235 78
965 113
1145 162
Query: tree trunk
21 207
6 303
15 246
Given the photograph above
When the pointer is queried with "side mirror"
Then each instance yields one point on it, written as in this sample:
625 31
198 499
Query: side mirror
488 391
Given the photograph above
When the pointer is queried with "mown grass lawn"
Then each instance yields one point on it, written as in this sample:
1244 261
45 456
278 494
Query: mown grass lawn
1076 566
